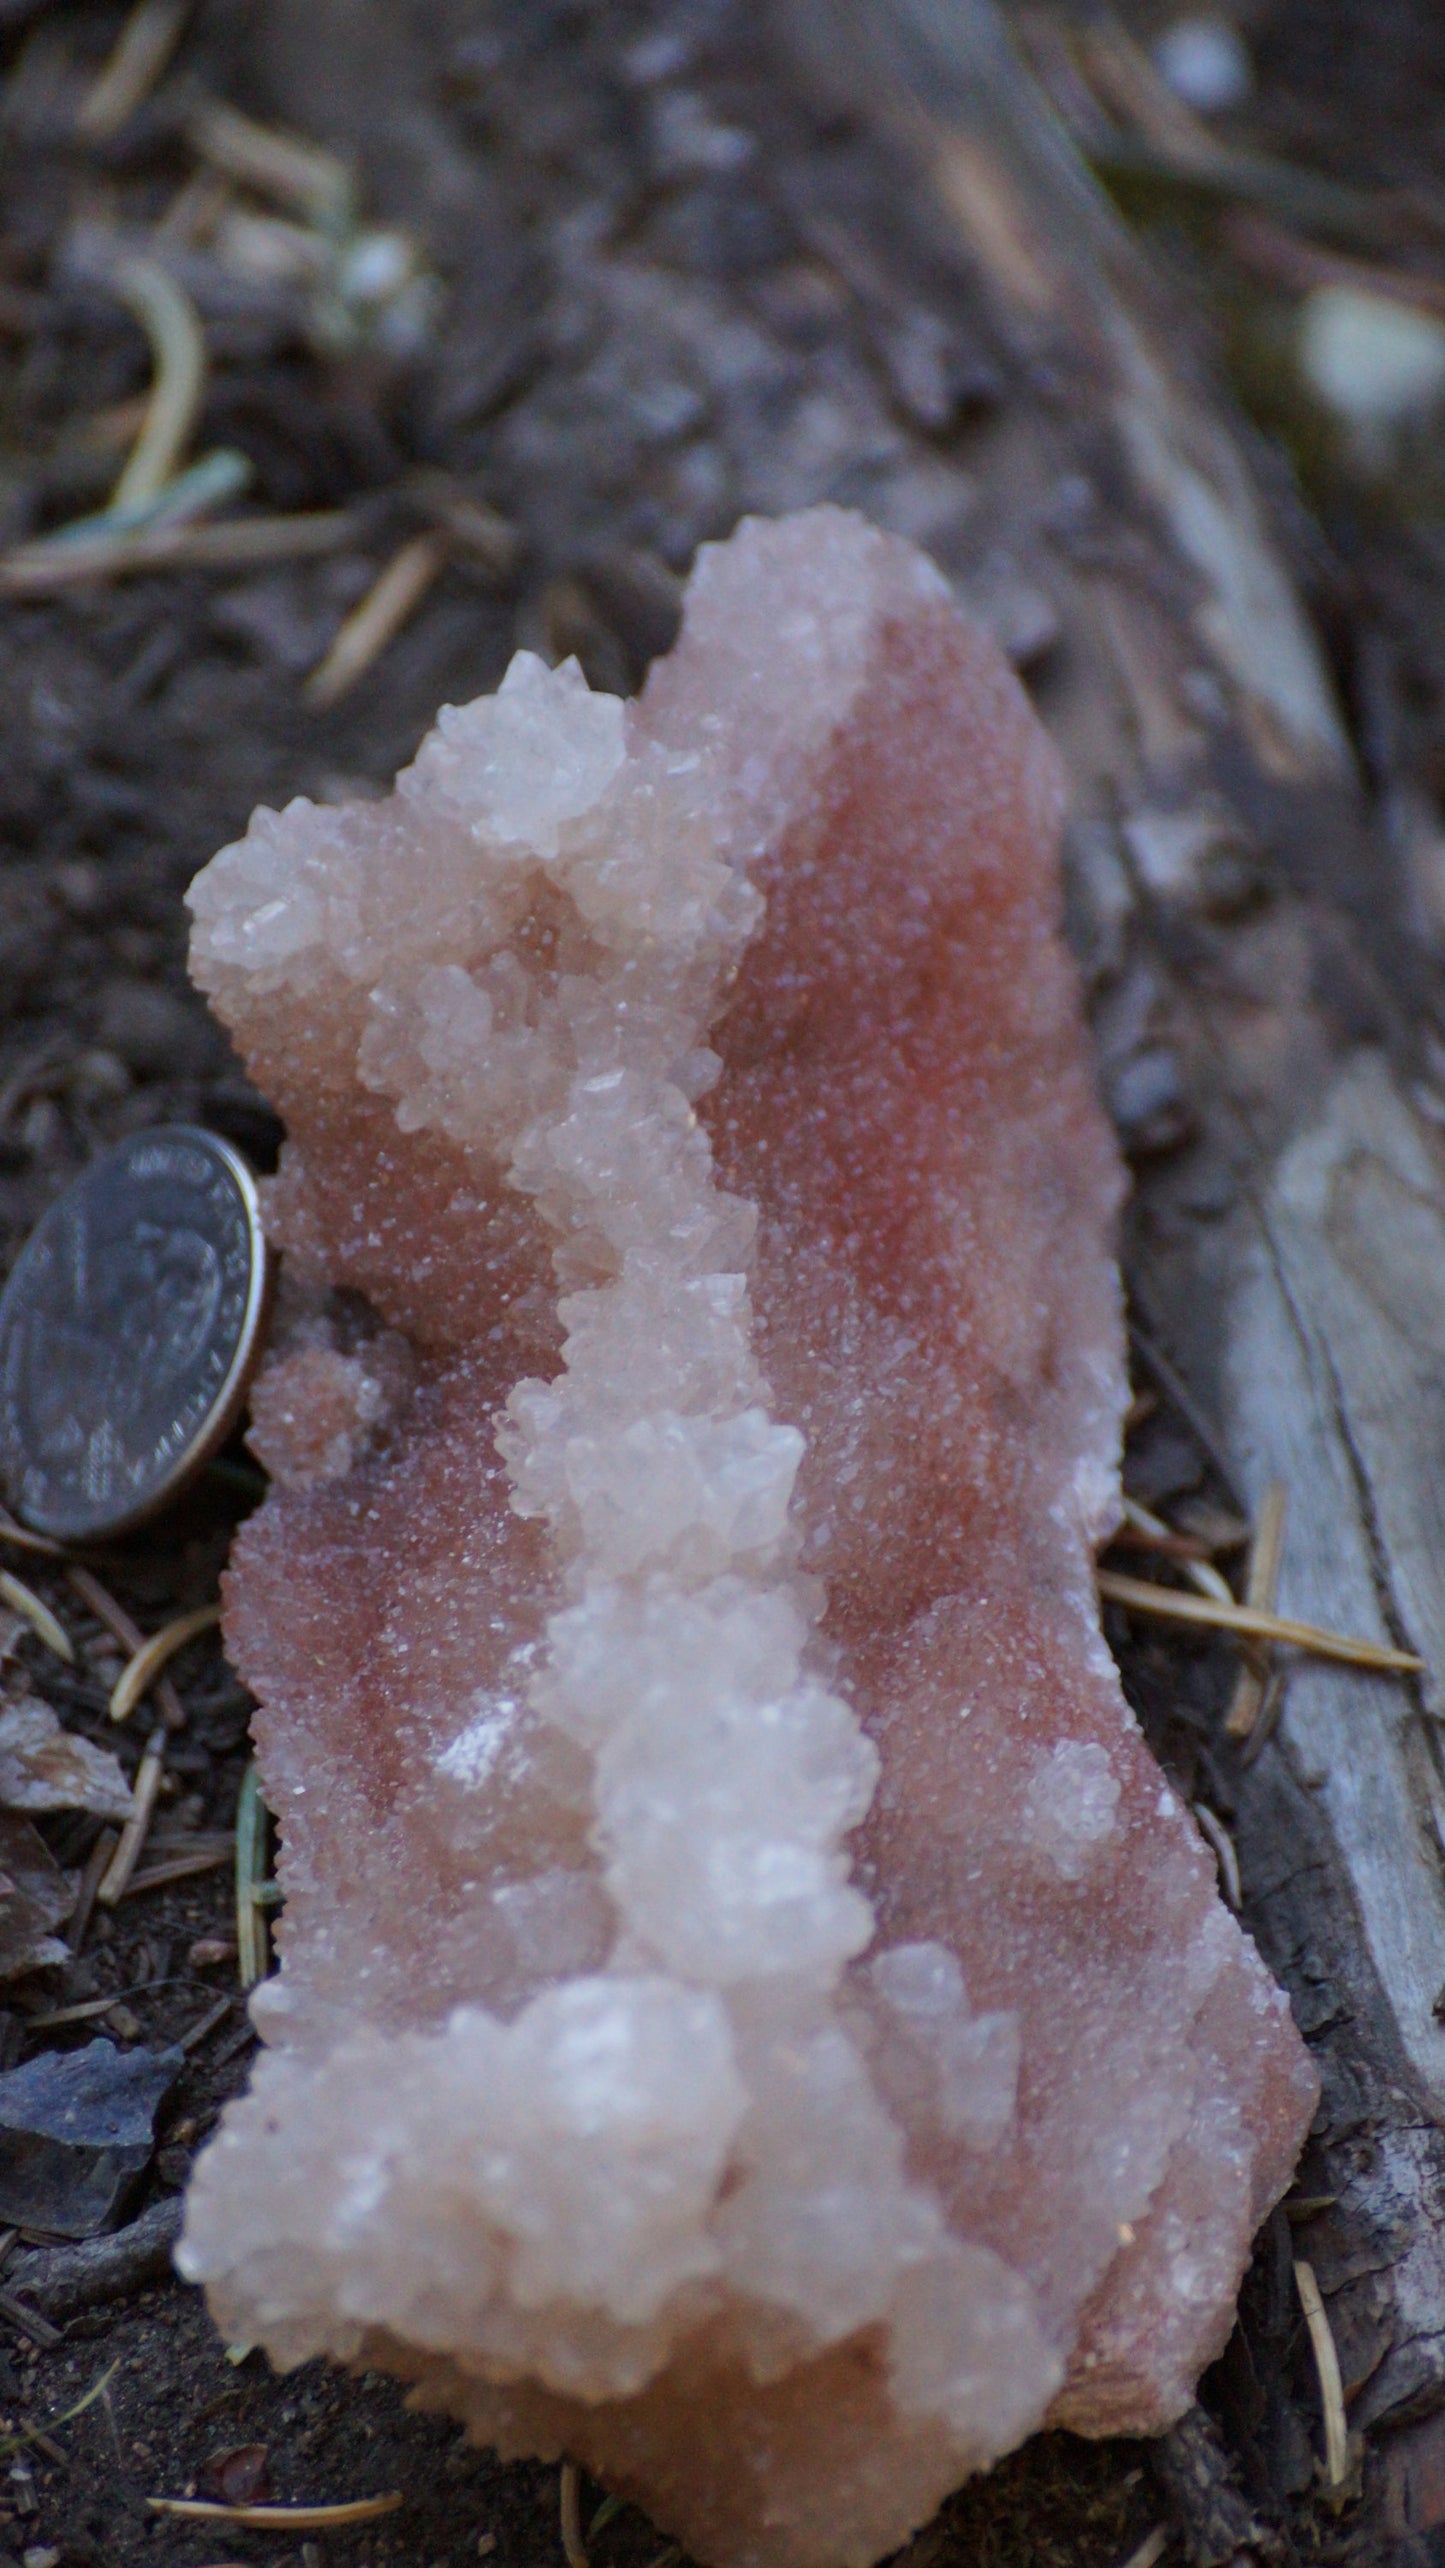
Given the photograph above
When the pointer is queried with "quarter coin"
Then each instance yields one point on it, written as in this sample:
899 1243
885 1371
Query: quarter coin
129 1331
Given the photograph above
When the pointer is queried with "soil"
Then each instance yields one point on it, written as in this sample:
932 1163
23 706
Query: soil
671 290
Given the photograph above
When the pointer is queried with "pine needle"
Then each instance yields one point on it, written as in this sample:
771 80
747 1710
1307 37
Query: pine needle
23 1539
253 1954
394 595
280 2518
1171 1605
140 1674
1327 2365
23 1600
36 2433
1200 1573
569 2492
40 569
136 62
1224 1854
1261 1588
178 347
133 1835
1151 2549
114 1619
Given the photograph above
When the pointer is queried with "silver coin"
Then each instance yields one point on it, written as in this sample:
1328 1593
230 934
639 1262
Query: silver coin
129 1330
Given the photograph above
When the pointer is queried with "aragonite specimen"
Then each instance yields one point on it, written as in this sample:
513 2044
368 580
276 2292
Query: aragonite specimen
752 2014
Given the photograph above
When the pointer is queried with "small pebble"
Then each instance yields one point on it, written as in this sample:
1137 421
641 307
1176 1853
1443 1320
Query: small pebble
1376 363
1205 61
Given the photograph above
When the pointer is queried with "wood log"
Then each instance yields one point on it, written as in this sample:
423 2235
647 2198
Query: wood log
1240 912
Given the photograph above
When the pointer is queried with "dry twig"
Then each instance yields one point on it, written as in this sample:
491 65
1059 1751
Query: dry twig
1171 1605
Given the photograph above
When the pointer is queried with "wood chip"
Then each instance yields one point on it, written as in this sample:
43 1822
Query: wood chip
23 1600
1261 1589
280 2518
139 1675
133 1834
392 598
1171 1605
1327 2365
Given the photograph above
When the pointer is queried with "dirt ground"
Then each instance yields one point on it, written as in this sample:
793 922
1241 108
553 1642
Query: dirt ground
659 288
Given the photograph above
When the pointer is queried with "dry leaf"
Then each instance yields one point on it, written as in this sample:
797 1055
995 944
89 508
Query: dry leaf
35 1897
46 1767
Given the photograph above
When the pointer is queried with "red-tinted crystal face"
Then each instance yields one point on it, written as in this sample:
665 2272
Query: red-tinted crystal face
797 2037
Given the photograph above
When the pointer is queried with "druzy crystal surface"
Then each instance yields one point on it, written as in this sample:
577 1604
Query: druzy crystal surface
752 2014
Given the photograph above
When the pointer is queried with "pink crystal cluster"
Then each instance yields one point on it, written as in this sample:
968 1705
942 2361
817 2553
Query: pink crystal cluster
752 2014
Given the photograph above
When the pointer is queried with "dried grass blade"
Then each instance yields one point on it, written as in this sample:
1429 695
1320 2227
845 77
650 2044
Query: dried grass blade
138 1677
280 2518
1261 1589
23 1600
1171 1605
1327 2365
